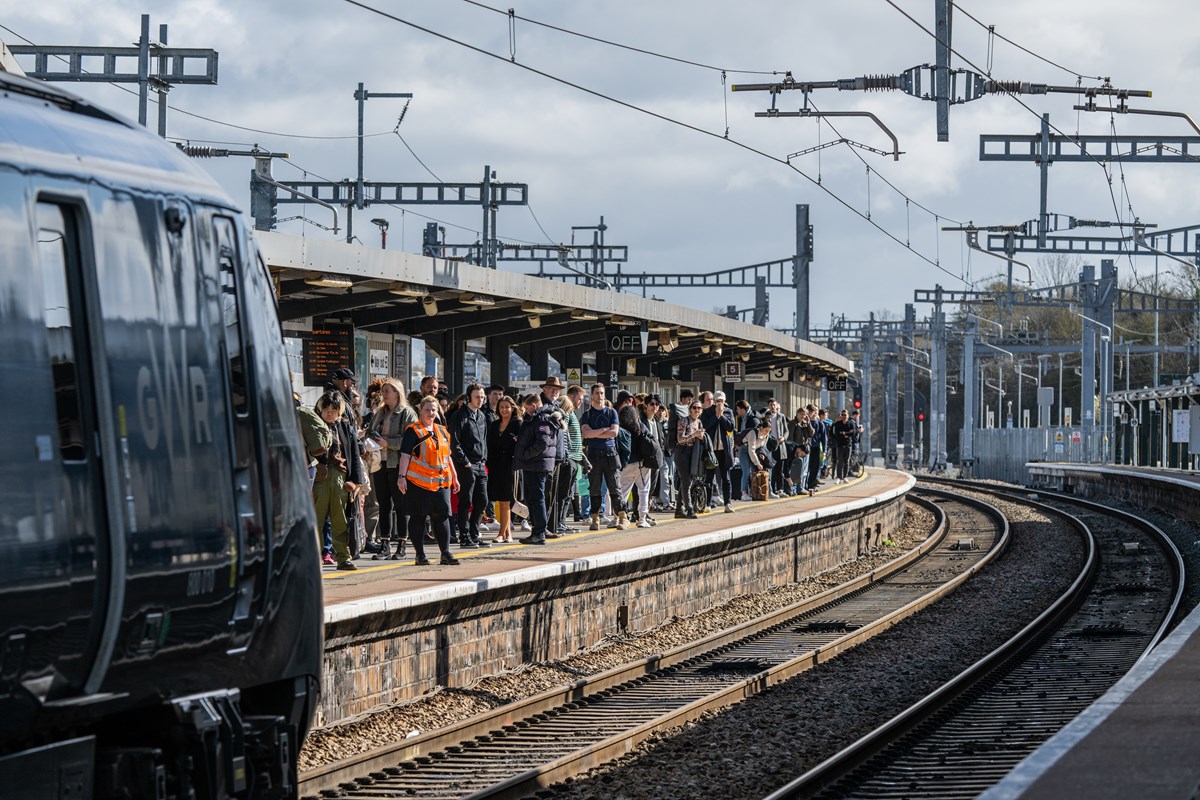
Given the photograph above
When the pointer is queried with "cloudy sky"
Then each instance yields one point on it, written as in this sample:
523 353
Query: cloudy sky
680 200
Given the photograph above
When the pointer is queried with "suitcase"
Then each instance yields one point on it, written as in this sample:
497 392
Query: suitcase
760 485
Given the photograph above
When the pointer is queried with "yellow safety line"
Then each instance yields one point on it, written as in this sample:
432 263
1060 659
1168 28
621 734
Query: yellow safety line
335 573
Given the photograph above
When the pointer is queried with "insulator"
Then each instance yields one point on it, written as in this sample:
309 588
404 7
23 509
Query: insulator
879 83
197 151
1012 87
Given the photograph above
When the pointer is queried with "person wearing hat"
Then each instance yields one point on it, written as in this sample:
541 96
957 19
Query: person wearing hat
551 390
344 381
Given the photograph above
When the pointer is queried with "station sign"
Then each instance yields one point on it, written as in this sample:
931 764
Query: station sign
327 348
621 340
835 384
733 371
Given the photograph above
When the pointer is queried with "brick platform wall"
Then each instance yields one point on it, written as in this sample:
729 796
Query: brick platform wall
391 656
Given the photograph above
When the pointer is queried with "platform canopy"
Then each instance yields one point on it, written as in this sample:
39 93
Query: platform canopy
395 292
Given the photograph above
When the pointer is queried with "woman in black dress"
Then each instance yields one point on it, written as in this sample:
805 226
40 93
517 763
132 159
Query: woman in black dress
502 440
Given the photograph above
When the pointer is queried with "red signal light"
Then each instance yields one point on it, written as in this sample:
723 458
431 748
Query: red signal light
857 404
920 416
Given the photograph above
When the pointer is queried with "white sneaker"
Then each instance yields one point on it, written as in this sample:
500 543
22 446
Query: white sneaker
645 523
525 526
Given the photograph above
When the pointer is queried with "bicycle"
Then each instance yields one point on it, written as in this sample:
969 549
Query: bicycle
855 467
698 494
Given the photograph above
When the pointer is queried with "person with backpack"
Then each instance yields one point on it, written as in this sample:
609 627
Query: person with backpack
543 434
652 452
339 476
642 457
719 424
675 414
600 427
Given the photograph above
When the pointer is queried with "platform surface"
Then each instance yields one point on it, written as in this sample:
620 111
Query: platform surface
375 579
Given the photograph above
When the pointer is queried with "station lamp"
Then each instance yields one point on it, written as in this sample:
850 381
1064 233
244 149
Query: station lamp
584 315
382 224
429 305
476 300
530 307
534 321
326 281
407 289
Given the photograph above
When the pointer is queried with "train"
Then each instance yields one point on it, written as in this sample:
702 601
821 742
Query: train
160 578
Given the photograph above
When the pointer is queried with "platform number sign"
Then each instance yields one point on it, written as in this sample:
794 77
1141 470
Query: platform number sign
733 371
835 384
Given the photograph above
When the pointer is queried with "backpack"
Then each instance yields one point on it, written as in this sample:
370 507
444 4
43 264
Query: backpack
749 423
649 452
624 446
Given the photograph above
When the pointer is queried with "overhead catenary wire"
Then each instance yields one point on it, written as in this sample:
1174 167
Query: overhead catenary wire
1023 104
991 29
510 13
723 70
656 115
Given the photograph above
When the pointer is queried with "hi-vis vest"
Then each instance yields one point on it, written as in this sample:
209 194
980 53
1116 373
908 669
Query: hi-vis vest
429 466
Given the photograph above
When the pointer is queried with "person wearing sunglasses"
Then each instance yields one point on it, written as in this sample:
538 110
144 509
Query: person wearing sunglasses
689 445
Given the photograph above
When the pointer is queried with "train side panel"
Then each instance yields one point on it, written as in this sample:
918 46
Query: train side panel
162 580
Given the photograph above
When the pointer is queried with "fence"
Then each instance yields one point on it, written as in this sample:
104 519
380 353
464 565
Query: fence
1001 453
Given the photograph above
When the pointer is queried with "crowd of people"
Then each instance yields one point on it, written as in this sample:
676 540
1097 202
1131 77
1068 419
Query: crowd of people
391 469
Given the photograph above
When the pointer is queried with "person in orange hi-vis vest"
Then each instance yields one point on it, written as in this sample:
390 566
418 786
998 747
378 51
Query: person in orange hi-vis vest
426 478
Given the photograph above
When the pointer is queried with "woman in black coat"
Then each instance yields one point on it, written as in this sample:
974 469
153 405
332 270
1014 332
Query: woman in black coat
501 444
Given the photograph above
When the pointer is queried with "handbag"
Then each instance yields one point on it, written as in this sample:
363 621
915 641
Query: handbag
709 459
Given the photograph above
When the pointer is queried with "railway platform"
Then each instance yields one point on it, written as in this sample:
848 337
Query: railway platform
394 631
1142 738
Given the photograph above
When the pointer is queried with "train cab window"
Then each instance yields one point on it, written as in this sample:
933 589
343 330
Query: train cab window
58 257
227 263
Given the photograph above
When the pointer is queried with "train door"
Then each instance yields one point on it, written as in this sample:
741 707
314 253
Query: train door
56 501
252 535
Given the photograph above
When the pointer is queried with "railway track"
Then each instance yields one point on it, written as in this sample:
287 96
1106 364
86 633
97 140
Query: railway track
518 749
963 738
